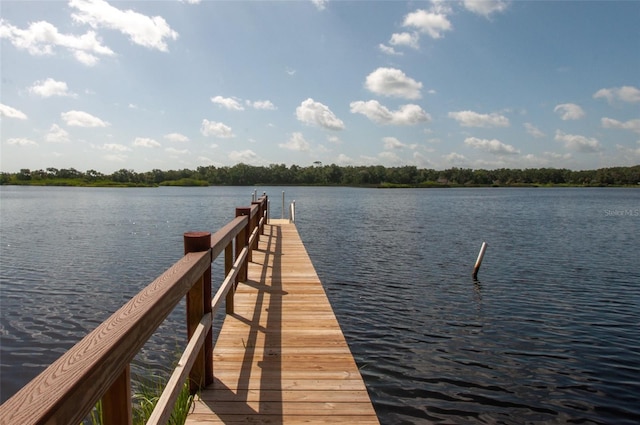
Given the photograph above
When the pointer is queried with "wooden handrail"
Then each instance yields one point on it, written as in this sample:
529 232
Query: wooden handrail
98 366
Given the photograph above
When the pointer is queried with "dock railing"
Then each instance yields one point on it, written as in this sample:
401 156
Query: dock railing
98 367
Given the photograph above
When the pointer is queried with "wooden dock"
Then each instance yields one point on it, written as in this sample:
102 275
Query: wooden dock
281 357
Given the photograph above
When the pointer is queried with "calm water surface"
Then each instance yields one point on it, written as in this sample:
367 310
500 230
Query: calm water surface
549 333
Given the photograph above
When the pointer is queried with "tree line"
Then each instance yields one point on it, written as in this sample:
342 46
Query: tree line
318 174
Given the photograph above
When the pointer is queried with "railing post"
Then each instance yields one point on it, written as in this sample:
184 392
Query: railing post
256 223
242 240
264 211
228 264
116 402
198 305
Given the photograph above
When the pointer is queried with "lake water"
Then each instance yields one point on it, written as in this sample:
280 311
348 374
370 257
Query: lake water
550 332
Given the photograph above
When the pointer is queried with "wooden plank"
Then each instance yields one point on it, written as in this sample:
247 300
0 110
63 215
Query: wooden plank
282 357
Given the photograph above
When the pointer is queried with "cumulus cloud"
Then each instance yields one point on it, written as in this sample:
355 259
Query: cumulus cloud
21 141
262 104
217 129
176 137
388 50
41 38
49 88
406 115
393 82
533 130
474 119
228 102
114 147
632 125
315 113
454 157
145 142
405 39
296 143
569 111
486 8
174 151
391 143
150 32
628 94
577 142
320 4
57 134
245 156
432 23
492 146
9 112
82 119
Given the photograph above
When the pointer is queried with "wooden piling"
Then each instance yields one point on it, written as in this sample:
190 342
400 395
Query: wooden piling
483 248
198 305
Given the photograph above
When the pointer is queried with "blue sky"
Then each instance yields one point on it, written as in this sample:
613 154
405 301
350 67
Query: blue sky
91 84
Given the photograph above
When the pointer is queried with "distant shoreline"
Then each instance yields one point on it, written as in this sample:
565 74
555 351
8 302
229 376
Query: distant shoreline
331 175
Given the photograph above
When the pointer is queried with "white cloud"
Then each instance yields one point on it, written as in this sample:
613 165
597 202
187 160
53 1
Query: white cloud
393 82
632 125
42 37
407 114
176 137
320 4
296 143
569 111
455 157
432 23
334 139
175 151
486 7
114 147
344 159
315 113
492 146
145 142
533 130
9 112
150 32
245 156
57 134
625 94
50 87
82 119
228 102
388 50
474 119
577 142
409 39
218 129
191 1
390 157
391 143
262 104
21 141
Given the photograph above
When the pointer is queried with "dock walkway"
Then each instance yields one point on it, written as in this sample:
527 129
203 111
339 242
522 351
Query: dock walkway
281 358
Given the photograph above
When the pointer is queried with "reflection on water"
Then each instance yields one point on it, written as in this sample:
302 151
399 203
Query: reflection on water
548 333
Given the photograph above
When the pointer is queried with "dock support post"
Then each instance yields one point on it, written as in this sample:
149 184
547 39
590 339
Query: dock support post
198 305
116 402
228 264
483 248
242 240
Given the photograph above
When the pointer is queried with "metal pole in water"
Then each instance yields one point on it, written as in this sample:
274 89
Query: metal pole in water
483 248
282 217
